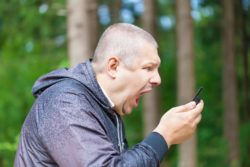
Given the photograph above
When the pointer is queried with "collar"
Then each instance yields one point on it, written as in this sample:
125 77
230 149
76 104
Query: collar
109 100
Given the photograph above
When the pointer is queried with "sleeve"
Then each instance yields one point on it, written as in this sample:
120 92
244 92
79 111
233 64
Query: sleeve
73 136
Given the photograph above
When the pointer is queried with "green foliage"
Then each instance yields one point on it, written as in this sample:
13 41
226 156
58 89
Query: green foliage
133 124
244 143
31 44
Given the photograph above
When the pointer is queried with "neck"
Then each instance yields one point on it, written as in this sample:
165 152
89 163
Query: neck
109 87
102 81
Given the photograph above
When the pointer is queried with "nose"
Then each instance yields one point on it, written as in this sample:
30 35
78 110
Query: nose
155 79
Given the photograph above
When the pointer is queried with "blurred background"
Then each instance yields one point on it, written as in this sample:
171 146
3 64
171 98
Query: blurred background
201 43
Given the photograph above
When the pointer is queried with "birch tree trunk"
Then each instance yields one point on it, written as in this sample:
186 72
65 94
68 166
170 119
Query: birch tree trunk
231 115
151 113
82 29
185 72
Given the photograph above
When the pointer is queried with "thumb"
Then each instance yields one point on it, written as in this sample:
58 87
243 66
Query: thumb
185 107
190 105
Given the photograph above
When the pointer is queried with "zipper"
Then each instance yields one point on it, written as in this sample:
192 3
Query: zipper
119 133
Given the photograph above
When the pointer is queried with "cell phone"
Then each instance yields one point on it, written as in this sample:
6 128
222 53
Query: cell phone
197 97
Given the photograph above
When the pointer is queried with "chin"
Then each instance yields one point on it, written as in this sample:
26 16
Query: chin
126 112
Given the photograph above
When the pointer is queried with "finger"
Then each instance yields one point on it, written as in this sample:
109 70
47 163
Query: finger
196 112
190 105
200 106
197 120
185 107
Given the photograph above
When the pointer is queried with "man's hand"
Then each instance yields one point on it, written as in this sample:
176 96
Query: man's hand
179 123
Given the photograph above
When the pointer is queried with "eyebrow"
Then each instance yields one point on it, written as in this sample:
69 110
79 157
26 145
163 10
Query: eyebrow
155 63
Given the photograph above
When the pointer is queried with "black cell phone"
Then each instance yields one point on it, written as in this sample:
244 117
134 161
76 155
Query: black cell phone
197 95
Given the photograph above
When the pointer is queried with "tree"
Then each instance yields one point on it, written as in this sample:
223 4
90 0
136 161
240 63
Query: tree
243 51
29 47
151 113
185 72
231 117
115 6
82 29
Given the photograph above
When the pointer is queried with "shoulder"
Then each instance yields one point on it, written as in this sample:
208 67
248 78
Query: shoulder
68 90
62 103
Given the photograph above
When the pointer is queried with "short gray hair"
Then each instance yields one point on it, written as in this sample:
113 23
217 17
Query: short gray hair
122 40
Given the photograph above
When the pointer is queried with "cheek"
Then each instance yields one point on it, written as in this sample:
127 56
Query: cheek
140 79
135 86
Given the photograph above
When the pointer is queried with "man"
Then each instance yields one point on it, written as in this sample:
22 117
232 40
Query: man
76 118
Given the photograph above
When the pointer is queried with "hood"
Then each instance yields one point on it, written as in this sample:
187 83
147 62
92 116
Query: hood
83 73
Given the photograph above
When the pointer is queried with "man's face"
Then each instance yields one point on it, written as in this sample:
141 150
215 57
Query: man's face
137 79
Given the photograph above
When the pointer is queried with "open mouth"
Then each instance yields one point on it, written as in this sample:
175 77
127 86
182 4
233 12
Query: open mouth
137 99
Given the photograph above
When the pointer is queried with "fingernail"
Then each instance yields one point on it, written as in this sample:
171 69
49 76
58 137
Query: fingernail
191 105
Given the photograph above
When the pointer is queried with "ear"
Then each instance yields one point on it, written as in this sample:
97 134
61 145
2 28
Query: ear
113 63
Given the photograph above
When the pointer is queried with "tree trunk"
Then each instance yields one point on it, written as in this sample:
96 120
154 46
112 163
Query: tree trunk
115 7
243 50
151 113
93 23
185 72
231 118
82 29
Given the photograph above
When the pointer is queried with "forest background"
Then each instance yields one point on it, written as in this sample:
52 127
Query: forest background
201 43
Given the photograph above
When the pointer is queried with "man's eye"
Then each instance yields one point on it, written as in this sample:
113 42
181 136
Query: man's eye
148 68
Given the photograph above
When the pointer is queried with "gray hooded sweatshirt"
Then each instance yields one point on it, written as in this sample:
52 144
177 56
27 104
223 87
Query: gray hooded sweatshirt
72 124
